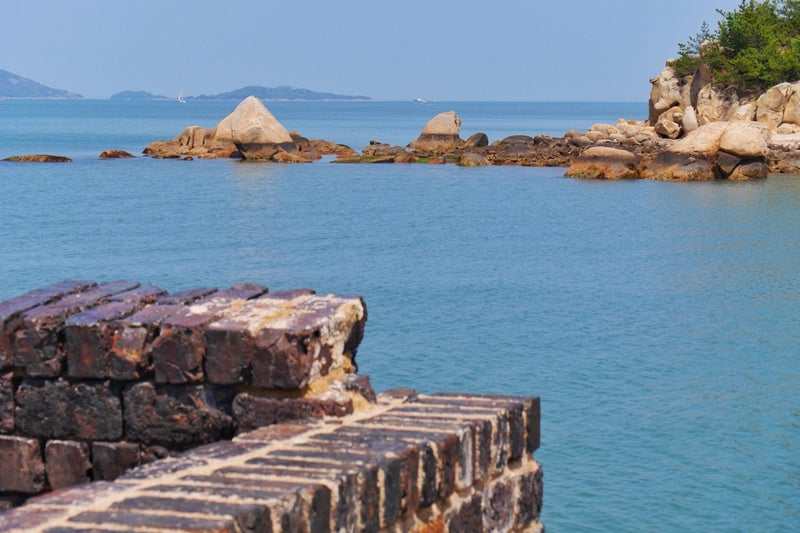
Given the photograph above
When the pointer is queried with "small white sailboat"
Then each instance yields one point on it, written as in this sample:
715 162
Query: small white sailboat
181 99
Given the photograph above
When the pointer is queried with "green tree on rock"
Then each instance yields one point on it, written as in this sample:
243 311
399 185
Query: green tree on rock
754 47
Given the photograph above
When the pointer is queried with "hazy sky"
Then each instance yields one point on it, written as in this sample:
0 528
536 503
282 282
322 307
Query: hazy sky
526 50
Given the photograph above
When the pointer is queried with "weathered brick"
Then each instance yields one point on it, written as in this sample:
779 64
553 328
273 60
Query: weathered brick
460 455
78 496
185 296
397 460
349 481
180 348
146 294
278 432
11 310
27 518
176 416
250 517
161 468
531 407
89 338
112 459
251 412
287 342
6 403
163 522
67 463
467 517
310 511
21 465
129 357
361 385
499 506
61 409
239 291
37 344
529 496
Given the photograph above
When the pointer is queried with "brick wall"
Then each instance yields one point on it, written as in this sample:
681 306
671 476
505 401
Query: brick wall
239 410
98 378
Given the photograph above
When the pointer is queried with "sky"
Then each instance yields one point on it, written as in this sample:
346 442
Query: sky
445 50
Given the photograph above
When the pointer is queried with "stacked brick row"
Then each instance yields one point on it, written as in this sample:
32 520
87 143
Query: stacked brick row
457 463
97 378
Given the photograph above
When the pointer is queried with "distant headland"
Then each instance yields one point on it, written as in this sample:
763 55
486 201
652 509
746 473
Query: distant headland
15 86
284 92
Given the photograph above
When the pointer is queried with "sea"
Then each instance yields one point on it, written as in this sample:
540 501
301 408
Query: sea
659 323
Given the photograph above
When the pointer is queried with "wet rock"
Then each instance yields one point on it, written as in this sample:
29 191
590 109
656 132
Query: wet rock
115 154
605 163
38 158
477 140
471 159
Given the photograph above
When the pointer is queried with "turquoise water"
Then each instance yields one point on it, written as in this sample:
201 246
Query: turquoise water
657 321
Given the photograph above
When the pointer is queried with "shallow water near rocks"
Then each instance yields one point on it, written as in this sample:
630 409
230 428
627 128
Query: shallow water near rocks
657 321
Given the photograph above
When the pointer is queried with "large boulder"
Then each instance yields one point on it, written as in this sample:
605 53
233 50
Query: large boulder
771 104
441 134
256 133
669 90
601 162
733 150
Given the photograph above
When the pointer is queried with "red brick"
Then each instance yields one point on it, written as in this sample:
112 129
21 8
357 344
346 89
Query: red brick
251 412
179 350
112 459
287 342
529 497
10 311
185 297
531 407
21 465
147 294
248 516
6 403
239 291
59 409
175 416
499 506
130 519
26 518
37 344
466 517
67 463
89 338
128 357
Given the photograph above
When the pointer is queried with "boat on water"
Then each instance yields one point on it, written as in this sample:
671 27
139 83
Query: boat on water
421 101
181 99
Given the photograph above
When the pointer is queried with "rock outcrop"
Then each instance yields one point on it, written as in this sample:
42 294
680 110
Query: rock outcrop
720 150
38 158
600 162
250 132
680 104
441 134
115 154
256 133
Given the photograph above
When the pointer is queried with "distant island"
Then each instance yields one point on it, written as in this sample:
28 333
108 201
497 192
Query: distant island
284 92
15 86
137 95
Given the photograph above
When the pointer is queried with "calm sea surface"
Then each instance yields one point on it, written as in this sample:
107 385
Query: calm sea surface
657 321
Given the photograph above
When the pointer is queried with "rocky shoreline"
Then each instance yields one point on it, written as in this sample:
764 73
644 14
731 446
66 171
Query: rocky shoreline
695 131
